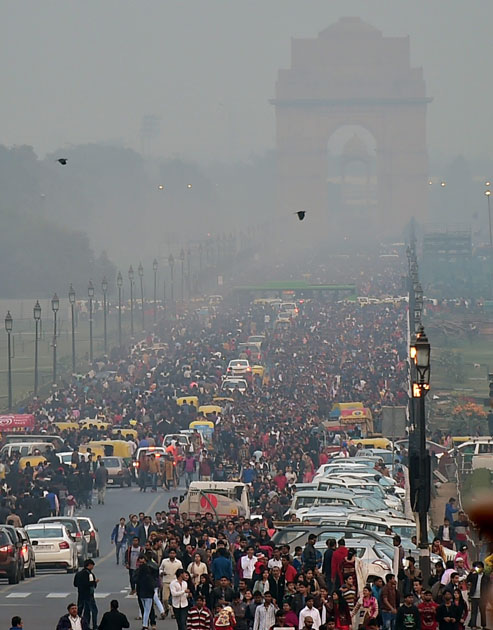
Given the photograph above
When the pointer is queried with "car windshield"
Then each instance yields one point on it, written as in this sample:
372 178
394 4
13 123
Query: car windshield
404 531
70 525
84 523
45 532
369 503
112 462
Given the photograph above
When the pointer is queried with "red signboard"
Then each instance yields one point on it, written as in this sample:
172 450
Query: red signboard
16 421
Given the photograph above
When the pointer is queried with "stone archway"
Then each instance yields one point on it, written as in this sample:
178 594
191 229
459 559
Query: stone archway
352 75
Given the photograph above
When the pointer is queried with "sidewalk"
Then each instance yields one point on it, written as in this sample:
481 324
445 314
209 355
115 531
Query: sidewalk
437 510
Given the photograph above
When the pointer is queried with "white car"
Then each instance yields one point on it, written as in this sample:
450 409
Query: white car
53 546
232 383
376 558
239 367
341 482
91 534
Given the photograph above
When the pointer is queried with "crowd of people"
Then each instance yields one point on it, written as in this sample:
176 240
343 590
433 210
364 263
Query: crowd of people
229 574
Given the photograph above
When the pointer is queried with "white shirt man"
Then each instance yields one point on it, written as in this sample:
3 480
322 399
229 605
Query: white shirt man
168 569
247 564
265 614
310 611
178 591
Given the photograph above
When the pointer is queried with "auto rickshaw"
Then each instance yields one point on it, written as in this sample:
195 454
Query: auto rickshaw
34 460
116 448
207 409
67 426
190 400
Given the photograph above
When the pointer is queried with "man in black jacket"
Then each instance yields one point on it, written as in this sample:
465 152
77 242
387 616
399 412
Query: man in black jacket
114 619
85 582
478 587
223 592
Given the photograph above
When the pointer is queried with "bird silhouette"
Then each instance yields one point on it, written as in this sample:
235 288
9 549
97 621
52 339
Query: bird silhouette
301 214
62 161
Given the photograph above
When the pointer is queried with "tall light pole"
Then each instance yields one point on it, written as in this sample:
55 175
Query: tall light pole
90 293
154 268
55 305
8 328
131 278
141 276
104 288
37 318
71 299
488 194
420 467
182 258
119 284
189 270
171 262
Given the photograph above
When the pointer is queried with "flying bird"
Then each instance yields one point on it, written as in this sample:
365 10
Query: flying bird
62 161
301 214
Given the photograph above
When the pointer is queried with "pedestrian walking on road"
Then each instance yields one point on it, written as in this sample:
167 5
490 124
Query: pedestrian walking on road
145 589
85 582
119 538
100 481
179 599
72 620
114 619
132 554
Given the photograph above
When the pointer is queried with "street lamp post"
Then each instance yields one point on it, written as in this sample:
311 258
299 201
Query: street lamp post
55 305
171 262
131 278
37 318
420 468
119 284
90 293
488 194
154 268
182 259
104 287
71 299
189 271
8 328
141 276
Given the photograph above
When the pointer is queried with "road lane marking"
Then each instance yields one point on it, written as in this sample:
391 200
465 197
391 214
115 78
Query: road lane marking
111 554
21 595
101 595
57 595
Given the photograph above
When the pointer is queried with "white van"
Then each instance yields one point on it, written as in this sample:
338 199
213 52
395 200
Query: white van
223 499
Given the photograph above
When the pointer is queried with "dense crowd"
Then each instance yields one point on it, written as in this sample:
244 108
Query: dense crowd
229 574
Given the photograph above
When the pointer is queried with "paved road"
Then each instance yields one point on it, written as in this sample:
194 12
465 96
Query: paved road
46 596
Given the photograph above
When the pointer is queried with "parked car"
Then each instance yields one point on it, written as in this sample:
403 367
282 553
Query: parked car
27 553
9 566
118 472
74 529
53 545
17 542
91 535
376 558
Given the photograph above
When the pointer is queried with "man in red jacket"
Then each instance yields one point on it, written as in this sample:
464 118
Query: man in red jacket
338 558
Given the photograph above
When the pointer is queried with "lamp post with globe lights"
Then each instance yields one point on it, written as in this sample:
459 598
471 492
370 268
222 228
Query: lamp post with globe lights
55 305
488 195
104 288
420 465
37 319
71 299
141 276
131 279
8 327
154 269
171 262
90 293
119 284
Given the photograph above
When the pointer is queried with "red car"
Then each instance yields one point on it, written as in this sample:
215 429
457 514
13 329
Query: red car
9 565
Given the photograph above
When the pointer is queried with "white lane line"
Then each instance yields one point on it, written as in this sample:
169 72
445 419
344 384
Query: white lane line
101 595
131 597
57 595
124 590
14 595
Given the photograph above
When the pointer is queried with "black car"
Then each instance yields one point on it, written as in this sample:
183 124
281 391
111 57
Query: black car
16 542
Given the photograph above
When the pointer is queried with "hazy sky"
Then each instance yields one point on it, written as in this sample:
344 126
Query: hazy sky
89 70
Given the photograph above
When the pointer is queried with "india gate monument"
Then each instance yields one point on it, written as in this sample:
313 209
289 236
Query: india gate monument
351 130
